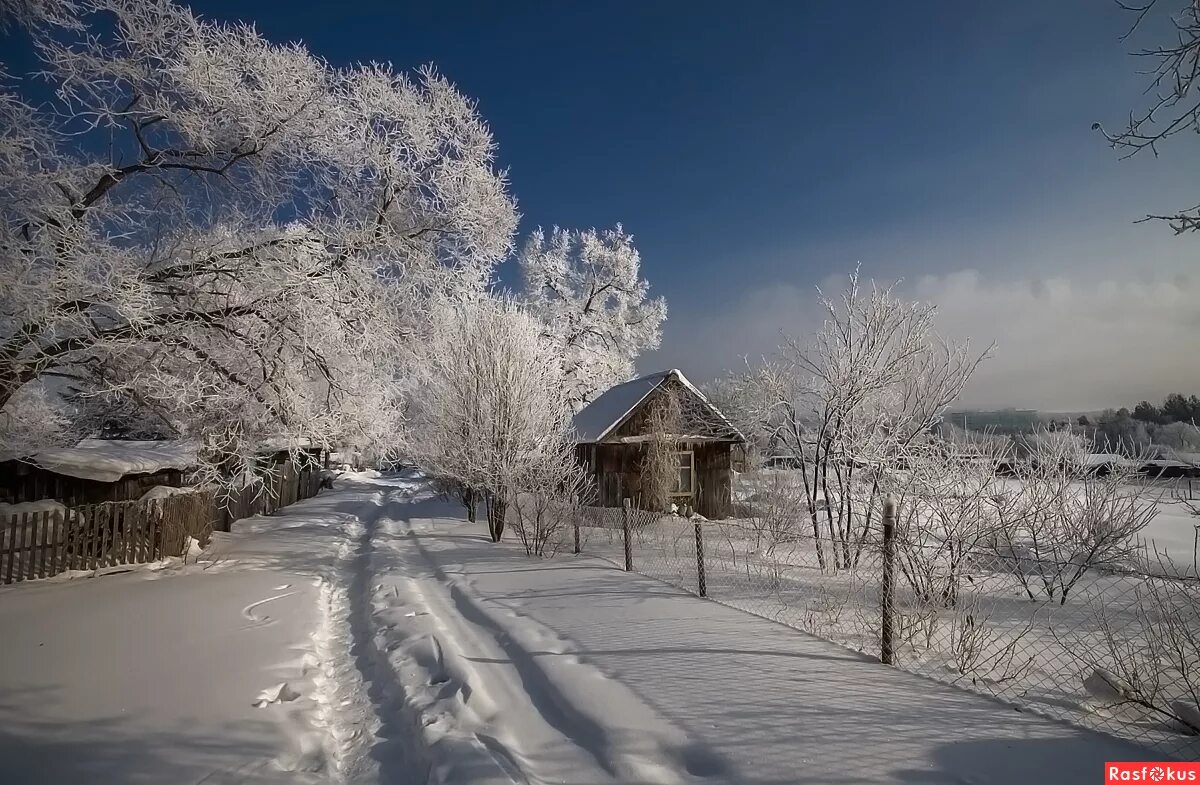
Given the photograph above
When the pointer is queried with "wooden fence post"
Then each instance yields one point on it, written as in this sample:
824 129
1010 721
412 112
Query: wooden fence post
701 583
887 651
26 549
35 555
58 555
93 537
578 512
626 512
10 568
46 542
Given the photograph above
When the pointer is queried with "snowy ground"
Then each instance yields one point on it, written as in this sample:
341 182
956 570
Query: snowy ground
414 651
1036 654
152 675
1173 534
131 680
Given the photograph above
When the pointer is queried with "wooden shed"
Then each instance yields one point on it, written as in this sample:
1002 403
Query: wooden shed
96 470
612 434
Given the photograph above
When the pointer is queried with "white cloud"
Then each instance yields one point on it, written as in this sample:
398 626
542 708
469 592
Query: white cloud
1063 342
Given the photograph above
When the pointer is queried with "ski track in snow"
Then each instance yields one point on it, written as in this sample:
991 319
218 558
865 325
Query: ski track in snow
486 681
410 678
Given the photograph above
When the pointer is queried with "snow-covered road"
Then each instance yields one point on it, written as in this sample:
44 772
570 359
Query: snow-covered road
415 651
658 686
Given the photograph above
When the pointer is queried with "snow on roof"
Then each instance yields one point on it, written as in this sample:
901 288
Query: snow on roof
1166 463
1190 458
108 460
282 442
1100 458
1097 459
602 415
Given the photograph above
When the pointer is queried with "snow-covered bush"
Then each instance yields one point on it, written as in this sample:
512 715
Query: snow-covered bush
1069 514
548 493
1150 656
947 516
980 650
775 512
488 407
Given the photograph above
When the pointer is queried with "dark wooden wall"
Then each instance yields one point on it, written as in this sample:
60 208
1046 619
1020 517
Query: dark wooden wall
23 482
714 479
616 469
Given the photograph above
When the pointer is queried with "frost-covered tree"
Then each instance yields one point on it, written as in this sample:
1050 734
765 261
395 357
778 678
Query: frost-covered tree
851 405
35 13
739 396
489 410
227 231
1174 90
587 287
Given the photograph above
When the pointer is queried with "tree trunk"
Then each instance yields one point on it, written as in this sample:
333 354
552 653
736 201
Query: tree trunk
469 501
497 508
811 499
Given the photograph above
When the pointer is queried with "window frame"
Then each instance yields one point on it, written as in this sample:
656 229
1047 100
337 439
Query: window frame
691 466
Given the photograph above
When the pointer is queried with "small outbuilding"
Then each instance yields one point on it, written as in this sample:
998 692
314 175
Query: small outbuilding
96 470
613 434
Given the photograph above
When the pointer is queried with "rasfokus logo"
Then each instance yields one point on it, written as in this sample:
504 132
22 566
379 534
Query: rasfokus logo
1151 771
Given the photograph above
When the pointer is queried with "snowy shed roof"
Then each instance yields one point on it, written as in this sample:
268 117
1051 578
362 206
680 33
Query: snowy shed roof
108 460
1189 458
1104 459
600 417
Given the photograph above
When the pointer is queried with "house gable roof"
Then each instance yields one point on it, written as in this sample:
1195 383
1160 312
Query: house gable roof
615 406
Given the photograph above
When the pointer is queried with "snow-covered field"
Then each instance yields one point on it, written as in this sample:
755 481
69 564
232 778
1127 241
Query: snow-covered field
371 635
1173 533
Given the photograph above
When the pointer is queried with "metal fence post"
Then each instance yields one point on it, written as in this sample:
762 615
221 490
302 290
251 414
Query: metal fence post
626 512
702 584
887 651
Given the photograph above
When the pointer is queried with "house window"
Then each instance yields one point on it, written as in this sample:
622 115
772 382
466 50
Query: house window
685 480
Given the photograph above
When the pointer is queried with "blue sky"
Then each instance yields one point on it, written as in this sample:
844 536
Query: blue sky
758 149
713 129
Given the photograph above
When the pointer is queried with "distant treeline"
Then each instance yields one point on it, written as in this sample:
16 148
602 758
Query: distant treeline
1172 424
1175 408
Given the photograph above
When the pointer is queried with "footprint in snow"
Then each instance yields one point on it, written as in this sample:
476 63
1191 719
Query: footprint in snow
256 621
282 587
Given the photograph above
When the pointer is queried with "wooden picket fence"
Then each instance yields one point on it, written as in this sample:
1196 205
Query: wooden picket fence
286 484
94 536
107 534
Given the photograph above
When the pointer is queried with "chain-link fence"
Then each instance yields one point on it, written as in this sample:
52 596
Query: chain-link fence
1116 650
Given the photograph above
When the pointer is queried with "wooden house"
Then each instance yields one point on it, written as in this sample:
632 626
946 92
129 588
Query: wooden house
613 431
